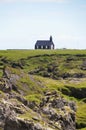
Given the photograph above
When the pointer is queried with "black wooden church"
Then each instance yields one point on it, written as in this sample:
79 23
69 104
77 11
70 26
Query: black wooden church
45 44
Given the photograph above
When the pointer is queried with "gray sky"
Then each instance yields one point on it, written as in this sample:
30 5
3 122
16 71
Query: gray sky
22 22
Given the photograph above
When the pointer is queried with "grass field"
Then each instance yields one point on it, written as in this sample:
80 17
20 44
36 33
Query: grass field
18 54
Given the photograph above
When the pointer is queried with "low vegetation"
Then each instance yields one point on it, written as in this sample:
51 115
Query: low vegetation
61 70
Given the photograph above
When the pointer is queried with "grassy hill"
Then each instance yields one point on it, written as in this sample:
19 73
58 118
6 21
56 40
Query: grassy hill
60 70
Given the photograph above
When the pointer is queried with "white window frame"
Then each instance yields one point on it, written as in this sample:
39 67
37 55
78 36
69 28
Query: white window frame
46 47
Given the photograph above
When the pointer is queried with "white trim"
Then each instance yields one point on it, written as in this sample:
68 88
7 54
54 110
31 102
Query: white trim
46 47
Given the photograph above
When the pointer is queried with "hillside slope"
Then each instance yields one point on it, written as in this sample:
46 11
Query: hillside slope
44 78
27 105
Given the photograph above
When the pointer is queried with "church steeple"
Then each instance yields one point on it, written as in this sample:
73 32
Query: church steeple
51 39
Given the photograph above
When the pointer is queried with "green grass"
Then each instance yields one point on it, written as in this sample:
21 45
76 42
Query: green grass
83 128
18 54
34 97
33 59
50 65
1 129
81 114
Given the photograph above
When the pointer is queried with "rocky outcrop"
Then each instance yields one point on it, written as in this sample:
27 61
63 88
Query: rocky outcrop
59 111
16 113
55 112
13 123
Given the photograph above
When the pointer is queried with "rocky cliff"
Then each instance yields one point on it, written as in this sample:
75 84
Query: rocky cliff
51 112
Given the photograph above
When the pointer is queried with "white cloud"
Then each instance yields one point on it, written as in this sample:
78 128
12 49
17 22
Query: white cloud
13 1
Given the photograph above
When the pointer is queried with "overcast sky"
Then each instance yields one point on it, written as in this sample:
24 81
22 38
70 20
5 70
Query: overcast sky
22 22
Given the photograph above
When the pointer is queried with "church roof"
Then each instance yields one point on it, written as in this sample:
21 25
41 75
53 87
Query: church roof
44 43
